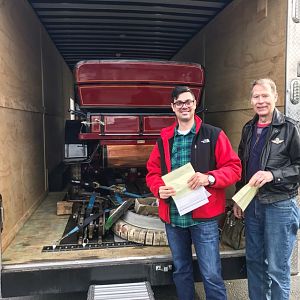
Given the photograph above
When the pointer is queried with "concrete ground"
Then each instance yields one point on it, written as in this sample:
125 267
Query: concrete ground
236 290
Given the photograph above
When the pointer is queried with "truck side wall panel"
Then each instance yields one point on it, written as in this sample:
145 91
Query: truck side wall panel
246 41
57 89
31 111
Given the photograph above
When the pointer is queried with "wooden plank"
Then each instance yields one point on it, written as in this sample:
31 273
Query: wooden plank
22 177
242 49
20 75
236 50
23 165
64 208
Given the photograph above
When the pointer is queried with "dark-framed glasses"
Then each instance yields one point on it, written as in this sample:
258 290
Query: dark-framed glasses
187 103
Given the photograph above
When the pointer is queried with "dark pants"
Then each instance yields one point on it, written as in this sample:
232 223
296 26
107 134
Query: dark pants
271 232
205 237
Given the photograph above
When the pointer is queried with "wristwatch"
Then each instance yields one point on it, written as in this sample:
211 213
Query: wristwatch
211 179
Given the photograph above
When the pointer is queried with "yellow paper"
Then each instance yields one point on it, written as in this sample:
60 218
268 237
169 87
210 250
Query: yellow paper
178 179
185 199
244 196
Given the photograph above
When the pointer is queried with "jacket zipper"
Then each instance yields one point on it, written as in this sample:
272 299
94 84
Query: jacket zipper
266 149
194 143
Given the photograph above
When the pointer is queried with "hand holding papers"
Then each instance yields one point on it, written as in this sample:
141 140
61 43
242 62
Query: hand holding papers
244 196
185 199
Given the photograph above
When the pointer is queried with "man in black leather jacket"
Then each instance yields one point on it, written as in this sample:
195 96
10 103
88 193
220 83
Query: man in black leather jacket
270 154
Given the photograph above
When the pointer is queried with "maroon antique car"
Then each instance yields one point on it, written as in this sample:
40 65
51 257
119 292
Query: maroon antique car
126 104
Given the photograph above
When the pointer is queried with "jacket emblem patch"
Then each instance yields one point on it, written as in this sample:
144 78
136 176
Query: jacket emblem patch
277 141
205 141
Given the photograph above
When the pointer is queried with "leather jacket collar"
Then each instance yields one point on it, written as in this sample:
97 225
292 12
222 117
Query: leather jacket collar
277 119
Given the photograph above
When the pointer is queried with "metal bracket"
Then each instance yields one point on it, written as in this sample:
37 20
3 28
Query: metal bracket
295 91
1 214
163 268
296 11
89 246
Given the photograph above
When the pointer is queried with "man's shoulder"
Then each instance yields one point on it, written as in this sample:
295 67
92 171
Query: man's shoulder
167 131
248 125
292 121
206 126
287 120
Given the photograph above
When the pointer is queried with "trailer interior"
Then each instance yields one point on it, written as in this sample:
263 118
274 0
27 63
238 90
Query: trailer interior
40 44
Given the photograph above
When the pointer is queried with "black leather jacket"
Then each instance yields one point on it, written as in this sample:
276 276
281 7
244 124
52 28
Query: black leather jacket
280 155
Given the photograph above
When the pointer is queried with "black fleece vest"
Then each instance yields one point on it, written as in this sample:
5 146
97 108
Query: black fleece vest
203 149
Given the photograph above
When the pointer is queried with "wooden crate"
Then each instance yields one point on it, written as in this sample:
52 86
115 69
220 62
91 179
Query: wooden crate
64 208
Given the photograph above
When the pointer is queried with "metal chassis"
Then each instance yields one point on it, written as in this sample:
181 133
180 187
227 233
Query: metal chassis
77 276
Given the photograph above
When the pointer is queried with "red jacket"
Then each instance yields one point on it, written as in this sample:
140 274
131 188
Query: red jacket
226 167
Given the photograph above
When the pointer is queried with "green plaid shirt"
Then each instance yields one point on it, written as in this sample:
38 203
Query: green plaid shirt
181 155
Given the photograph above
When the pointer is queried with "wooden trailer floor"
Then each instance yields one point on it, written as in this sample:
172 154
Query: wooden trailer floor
45 227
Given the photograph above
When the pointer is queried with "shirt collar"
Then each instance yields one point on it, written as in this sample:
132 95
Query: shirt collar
193 130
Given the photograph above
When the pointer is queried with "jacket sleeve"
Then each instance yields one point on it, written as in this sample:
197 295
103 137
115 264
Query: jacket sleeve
291 173
153 177
241 152
228 164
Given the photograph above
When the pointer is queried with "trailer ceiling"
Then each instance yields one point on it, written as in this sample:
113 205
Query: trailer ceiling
136 29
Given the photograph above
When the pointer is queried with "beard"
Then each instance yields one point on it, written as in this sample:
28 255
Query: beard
185 116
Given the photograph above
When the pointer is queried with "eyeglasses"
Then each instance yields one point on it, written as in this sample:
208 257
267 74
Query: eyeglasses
179 104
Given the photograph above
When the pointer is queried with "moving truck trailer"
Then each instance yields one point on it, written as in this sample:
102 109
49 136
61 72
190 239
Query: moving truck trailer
123 111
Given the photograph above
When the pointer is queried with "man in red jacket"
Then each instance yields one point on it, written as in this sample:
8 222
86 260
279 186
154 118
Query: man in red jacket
216 167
